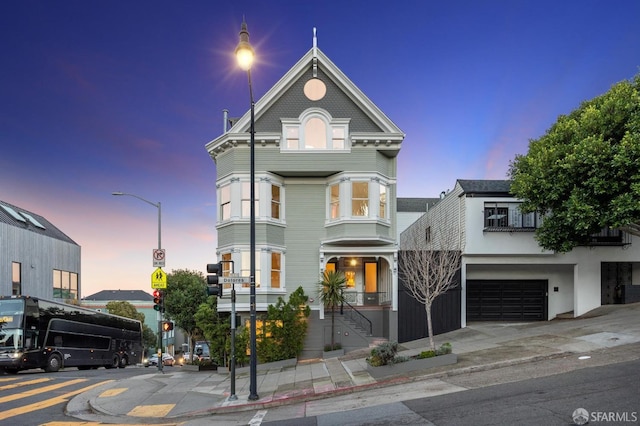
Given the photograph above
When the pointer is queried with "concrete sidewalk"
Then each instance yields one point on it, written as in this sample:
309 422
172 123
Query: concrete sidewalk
179 394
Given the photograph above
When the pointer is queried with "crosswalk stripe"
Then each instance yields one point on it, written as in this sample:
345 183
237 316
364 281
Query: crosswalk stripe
26 383
49 402
40 390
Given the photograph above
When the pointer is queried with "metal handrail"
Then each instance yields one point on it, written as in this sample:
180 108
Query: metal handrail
359 320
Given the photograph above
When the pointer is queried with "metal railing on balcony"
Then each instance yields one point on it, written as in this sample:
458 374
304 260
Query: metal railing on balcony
609 237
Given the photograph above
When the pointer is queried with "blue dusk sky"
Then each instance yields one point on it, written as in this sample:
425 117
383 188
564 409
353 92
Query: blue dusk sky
102 96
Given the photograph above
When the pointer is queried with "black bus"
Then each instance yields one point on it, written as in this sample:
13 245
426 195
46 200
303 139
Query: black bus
39 333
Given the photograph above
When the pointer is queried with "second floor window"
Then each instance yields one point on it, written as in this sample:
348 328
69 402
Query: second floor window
383 202
360 199
275 202
16 272
225 202
335 201
509 215
246 199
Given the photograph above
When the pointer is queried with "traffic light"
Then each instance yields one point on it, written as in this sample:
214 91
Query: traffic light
214 286
167 326
158 301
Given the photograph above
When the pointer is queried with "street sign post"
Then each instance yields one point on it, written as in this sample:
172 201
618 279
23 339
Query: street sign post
234 280
159 256
158 279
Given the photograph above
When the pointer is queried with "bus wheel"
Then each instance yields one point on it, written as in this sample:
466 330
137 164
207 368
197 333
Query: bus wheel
54 363
123 362
115 361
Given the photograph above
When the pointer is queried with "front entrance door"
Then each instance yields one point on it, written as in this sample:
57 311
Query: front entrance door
370 283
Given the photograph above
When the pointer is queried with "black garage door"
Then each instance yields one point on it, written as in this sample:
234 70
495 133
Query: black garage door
507 300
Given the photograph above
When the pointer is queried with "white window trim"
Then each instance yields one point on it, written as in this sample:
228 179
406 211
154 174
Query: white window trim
345 206
330 123
263 199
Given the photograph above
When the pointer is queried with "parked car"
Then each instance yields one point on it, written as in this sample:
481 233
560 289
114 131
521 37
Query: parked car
167 360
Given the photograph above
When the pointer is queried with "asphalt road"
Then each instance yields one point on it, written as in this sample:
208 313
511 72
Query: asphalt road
34 397
610 394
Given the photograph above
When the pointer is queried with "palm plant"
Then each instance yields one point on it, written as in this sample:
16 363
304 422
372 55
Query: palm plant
331 288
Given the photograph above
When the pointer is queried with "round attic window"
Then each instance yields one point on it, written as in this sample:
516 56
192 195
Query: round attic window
315 89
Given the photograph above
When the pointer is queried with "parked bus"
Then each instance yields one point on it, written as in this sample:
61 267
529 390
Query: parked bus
39 333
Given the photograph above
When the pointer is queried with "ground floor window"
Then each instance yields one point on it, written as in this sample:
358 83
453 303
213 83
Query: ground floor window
65 285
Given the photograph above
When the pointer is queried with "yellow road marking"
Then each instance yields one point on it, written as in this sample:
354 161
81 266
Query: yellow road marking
25 383
8 379
40 390
159 410
49 402
112 392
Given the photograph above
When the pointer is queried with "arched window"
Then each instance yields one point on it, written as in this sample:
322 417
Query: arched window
315 130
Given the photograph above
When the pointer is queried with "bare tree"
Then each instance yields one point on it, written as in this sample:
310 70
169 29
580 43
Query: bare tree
430 258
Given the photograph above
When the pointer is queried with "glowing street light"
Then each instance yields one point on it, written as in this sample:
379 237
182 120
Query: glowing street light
245 56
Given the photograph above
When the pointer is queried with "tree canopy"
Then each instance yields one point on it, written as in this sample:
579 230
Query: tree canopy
185 292
583 174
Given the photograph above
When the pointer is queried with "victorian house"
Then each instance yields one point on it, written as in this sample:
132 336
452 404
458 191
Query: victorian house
325 190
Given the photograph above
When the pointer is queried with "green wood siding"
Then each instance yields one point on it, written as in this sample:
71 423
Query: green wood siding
305 228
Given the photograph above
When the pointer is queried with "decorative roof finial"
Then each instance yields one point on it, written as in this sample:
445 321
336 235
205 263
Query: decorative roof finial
315 56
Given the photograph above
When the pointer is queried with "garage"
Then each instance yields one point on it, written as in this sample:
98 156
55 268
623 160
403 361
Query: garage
507 300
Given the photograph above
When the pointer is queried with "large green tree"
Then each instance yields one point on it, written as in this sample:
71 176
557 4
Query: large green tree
583 174
185 292
127 310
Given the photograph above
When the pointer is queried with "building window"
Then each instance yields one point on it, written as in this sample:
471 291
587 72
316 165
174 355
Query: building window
495 217
276 269
275 202
226 264
338 138
16 273
315 134
315 130
293 138
335 201
245 201
225 202
65 285
383 202
509 215
245 271
427 235
360 199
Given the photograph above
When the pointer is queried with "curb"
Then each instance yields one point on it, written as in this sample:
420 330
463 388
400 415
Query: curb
310 395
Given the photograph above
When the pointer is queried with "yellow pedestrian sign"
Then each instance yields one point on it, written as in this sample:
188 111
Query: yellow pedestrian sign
158 279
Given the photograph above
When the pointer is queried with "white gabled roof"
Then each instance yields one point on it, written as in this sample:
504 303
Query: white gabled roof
335 74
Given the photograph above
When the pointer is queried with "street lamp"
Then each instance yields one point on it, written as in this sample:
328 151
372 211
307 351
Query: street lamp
159 207
245 56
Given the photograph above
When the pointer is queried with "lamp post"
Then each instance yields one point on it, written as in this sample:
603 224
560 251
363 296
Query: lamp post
245 55
159 207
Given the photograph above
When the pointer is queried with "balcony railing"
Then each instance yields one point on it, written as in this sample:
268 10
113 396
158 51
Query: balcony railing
609 237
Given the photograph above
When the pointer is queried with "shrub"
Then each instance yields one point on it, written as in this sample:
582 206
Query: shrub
336 346
426 354
444 349
383 354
